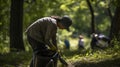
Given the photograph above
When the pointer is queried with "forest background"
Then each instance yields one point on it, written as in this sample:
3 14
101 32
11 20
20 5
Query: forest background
89 16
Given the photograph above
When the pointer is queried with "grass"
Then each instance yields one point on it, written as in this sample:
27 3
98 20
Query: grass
15 59
105 58
109 57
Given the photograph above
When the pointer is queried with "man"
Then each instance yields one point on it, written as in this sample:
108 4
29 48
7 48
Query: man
42 37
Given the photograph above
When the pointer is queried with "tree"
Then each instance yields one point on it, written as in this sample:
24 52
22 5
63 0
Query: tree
16 20
115 26
92 17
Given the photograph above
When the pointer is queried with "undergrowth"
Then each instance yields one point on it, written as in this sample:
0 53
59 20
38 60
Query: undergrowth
109 57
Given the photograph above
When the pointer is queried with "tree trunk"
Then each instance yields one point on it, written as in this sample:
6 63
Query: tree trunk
109 13
16 20
92 17
115 26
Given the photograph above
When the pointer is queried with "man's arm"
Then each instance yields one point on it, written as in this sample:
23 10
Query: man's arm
54 41
50 37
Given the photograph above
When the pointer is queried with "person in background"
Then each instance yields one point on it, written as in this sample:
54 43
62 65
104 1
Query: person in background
81 42
94 41
41 35
67 43
99 41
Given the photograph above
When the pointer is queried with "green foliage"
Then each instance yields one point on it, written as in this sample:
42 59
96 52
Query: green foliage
4 48
115 43
77 9
4 22
15 59
115 2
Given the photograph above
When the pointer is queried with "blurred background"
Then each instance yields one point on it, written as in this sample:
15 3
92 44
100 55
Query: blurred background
89 16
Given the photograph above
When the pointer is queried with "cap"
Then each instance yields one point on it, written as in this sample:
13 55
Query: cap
66 22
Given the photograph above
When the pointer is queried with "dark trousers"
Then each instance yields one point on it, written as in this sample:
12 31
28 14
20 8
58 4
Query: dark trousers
41 54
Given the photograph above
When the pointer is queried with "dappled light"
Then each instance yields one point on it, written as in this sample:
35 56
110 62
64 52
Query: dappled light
92 40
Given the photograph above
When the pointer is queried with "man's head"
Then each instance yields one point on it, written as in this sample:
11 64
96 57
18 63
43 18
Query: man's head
66 22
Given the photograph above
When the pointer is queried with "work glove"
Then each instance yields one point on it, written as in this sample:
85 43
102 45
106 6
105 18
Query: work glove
53 48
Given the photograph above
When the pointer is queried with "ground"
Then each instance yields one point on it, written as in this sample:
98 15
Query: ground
109 57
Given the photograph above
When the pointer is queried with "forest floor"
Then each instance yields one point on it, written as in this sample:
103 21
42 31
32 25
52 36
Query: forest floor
109 57
100 58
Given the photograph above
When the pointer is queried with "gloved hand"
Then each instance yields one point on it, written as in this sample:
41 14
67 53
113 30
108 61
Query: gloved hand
53 48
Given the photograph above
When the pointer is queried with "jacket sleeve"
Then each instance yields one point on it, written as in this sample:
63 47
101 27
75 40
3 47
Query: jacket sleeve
54 41
50 36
